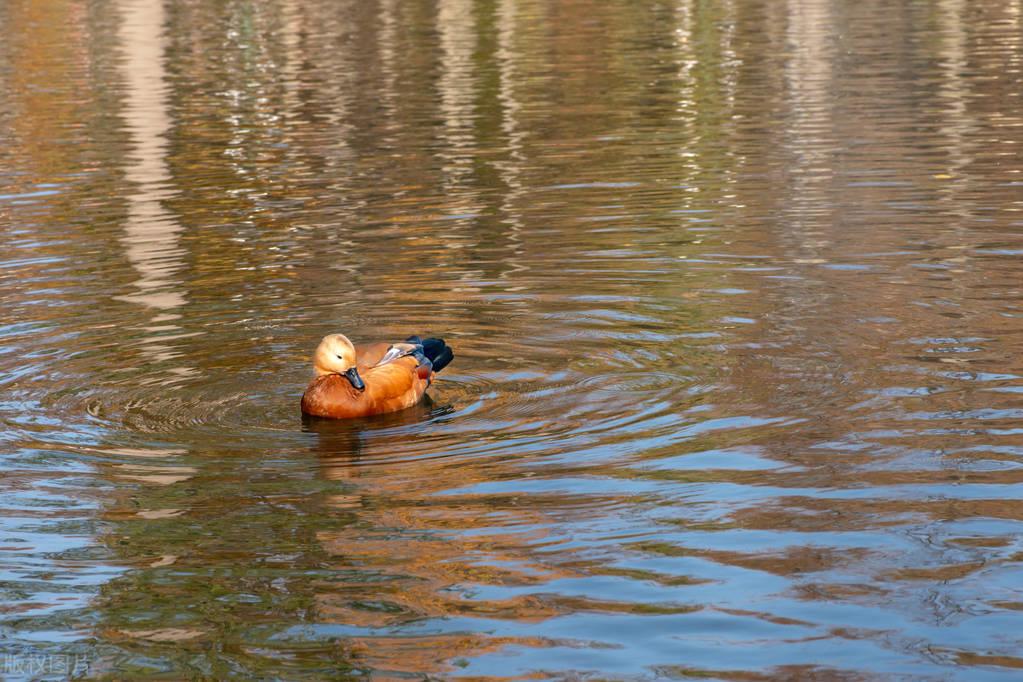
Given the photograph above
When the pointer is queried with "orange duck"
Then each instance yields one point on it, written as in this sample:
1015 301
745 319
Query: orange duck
373 379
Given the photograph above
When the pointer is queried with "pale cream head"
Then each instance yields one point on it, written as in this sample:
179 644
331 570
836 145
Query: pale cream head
334 355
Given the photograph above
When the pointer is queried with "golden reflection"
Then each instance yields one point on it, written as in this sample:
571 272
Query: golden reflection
425 551
46 52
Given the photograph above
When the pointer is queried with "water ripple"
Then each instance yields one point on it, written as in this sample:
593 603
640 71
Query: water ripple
735 316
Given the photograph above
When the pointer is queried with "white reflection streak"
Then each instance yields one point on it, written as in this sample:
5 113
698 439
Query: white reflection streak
955 117
685 104
151 233
457 36
388 53
291 72
510 170
506 66
809 75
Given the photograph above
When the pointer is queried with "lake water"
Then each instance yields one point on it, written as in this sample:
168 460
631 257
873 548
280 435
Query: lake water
736 293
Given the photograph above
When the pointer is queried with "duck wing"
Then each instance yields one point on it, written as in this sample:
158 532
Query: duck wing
399 350
376 354
397 378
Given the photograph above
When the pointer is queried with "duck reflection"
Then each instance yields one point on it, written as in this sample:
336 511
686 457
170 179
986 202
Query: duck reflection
341 443
415 551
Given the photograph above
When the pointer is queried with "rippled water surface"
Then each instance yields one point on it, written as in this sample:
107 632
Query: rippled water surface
736 292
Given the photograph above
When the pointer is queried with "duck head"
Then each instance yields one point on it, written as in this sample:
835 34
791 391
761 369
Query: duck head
336 355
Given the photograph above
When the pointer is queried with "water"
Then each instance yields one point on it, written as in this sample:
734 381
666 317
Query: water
735 292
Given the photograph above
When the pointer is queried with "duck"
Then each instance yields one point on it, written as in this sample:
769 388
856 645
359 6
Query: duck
362 381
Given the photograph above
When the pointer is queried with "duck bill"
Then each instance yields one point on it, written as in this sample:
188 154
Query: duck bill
355 380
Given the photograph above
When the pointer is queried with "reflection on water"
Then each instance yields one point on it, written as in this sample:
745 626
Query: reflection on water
151 237
734 289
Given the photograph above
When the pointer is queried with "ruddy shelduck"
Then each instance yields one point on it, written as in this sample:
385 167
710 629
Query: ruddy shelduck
373 379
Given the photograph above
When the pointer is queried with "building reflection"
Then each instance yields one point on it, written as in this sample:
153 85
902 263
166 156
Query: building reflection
152 234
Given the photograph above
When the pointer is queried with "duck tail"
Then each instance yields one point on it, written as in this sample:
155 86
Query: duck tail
437 352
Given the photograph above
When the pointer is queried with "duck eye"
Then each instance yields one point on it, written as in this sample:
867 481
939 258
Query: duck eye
339 356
